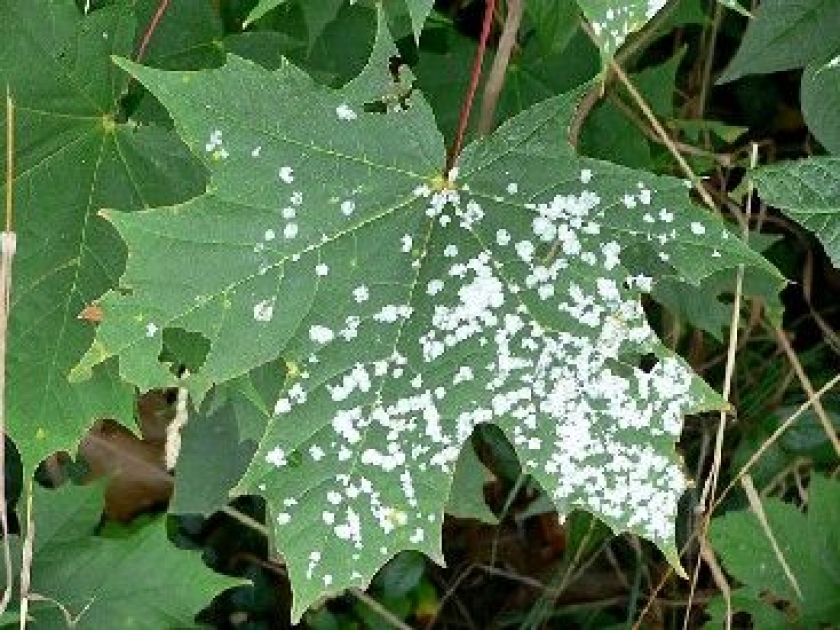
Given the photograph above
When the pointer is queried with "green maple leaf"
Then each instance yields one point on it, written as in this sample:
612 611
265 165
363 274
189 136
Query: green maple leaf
72 158
612 20
410 308
808 579
140 580
808 191
318 12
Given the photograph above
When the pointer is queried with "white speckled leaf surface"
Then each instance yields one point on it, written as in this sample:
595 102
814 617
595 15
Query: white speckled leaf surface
613 20
410 309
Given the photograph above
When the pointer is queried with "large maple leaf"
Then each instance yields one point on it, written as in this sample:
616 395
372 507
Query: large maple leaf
410 307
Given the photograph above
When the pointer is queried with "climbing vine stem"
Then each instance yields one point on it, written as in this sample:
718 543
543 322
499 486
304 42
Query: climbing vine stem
469 97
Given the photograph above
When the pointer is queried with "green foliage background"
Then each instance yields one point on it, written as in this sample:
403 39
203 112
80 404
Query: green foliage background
138 193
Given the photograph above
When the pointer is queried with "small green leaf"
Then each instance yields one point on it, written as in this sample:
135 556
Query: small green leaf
785 35
613 20
808 191
735 5
821 102
262 7
466 497
809 543
139 581
318 13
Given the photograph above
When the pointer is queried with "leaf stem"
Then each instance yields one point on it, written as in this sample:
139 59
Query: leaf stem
469 97
153 24
7 250
10 157
496 79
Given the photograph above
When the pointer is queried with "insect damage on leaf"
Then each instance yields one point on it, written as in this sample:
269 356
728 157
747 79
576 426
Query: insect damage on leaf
415 307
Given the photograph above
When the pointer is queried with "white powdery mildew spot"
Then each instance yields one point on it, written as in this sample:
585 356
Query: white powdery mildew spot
215 146
264 310
286 174
343 112
276 457
348 207
290 231
321 334
151 329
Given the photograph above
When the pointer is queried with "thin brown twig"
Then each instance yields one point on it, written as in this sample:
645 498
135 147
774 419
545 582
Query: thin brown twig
469 97
758 509
770 441
819 410
627 51
379 609
7 251
662 133
153 24
10 159
496 79
26 556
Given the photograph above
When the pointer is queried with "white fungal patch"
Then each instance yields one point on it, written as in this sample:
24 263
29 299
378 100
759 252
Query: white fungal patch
151 329
344 112
321 334
316 453
697 228
276 457
282 406
434 287
290 231
512 188
264 310
286 174
361 293
348 207
269 235
255 152
322 270
215 146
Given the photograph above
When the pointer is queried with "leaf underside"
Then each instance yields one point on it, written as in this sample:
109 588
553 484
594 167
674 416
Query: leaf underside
409 309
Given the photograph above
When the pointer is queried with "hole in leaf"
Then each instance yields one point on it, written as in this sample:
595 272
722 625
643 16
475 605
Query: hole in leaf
647 362
376 107
395 65
184 350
